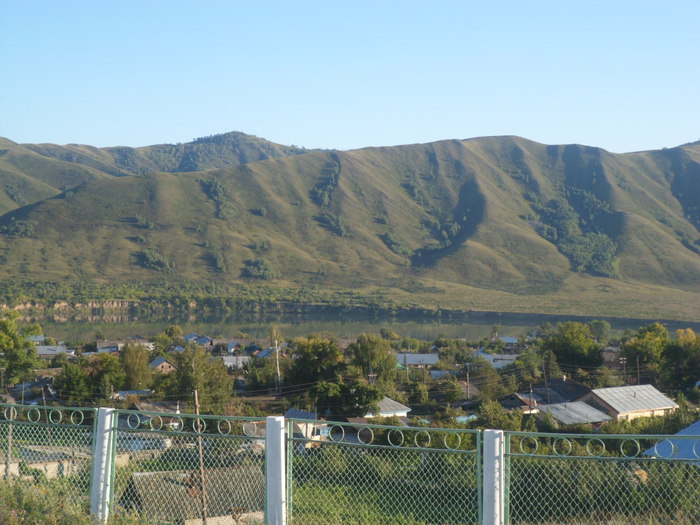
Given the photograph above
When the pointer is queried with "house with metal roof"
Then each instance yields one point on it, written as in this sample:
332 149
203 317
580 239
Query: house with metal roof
574 413
387 407
630 402
407 359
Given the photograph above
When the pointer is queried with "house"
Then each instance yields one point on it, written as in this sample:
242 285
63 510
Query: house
387 407
50 351
175 496
417 360
306 425
511 343
123 394
520 401
630 402
162 365
683 448
497 361
557 390
109 346
574 413
235 362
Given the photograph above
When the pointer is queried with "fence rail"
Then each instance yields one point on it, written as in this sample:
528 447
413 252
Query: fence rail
184 468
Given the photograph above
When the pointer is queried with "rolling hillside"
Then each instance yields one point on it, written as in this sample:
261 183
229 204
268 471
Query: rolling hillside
499 223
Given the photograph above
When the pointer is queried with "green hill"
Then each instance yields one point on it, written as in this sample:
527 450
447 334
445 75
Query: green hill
498 223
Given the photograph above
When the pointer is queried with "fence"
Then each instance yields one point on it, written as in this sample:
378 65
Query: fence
188 469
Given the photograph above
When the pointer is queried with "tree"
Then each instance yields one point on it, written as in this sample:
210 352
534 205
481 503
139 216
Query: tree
196 371
374 356
18 353
355 399
681 362
74 384
574 345
645 349
600 330
486 378
106 374
134 359
316 358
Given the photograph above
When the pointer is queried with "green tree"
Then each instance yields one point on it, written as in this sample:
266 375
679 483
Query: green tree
373 354
355 399
196 371
18 353
645 349
134 359
600 330
486 378
573 344
316 358
492 415
681 362
74 384
106 374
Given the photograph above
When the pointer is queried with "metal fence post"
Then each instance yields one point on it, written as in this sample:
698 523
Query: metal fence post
102 465
494 477
275 471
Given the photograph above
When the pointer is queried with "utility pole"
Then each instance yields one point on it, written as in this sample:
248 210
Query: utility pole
202 490
623 362
638 380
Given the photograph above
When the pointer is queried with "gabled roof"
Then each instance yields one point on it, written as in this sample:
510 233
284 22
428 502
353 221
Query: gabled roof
51 350
634 398
408 359
389 406
297 413
559 390
159 361
574 413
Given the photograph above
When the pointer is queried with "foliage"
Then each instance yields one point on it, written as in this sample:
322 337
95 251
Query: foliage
646 348
260 269
341 400
573 343
134 359
74 384
316 358
681 362
197 371
18 353
374 355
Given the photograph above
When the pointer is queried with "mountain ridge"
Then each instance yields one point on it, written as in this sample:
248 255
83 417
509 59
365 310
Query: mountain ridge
481 223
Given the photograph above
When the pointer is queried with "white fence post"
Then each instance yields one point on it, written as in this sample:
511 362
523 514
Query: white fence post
275 471
494 477
102 465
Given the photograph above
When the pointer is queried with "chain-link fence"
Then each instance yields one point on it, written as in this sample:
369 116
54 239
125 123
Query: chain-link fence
183 468
373 474
48 450
602 479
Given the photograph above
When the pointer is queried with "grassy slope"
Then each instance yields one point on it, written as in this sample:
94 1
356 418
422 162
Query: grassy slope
497 261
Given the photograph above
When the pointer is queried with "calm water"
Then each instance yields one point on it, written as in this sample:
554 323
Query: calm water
344 326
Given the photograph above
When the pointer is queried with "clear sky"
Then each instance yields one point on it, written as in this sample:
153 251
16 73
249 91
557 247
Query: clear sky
622 75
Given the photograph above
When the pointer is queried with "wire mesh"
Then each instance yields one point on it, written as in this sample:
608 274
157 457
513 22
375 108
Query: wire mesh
375 474
184 468
48 450
602 479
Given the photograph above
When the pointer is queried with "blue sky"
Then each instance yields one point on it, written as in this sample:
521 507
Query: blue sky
622 75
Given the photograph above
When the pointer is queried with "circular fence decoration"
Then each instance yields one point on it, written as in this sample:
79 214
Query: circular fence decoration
156 423
133 421
395 438
529 445
630 448
225 430
368 434
55 416
199 425
250 428
452 440
336 433
77 417
422 442
664 449
34 415
562 446
10 413
595 447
